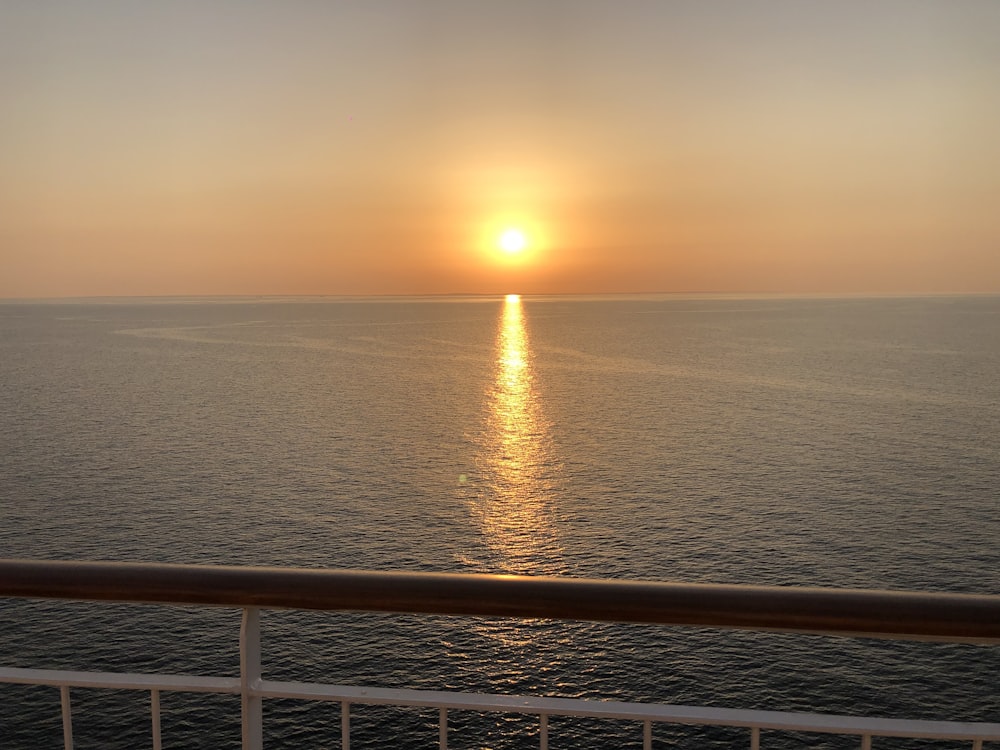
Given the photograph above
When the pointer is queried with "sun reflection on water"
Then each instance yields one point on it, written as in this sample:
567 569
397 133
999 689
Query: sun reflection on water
514 505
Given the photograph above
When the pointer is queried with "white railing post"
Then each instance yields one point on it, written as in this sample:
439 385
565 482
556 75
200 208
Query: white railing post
154 702
754 738
67 717
252 710
866 742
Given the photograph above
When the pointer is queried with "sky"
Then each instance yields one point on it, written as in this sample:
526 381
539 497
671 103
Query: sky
383 147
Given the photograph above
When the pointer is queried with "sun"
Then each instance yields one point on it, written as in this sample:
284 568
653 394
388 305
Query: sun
512 241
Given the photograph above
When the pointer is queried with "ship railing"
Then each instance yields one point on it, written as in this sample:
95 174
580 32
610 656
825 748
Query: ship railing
859 613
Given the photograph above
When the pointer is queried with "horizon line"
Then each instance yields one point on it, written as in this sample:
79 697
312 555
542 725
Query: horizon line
278 296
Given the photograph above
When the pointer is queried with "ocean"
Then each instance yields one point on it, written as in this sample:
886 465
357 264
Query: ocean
837 442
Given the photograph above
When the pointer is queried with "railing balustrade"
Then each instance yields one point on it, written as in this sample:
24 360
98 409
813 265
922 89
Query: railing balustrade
882 614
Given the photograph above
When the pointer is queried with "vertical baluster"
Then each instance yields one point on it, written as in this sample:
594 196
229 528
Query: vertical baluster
977 745
252 710
866 742
67 717
543 732
755 738
154 702
647 735
345 725
443 728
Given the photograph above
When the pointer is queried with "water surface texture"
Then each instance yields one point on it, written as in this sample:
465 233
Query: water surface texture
850 442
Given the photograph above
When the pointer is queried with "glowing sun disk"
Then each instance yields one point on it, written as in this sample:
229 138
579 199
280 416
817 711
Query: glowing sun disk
512 241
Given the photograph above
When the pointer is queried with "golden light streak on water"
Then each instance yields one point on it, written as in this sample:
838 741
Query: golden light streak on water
514 506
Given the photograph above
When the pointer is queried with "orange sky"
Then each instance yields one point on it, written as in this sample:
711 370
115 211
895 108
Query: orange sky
379 147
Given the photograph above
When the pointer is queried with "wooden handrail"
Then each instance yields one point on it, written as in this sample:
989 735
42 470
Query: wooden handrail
889 614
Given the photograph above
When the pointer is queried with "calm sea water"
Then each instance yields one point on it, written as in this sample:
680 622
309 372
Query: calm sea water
828 442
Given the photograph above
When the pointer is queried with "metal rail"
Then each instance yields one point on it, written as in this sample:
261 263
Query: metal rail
646 714
945 617
892 614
